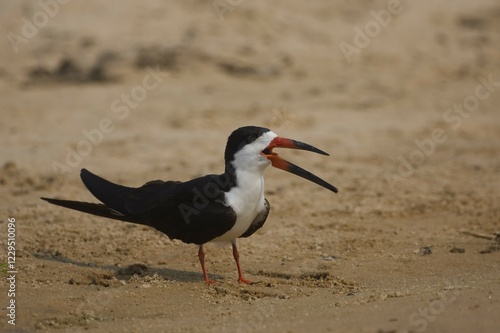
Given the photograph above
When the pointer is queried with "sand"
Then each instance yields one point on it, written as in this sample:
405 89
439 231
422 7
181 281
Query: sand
404 97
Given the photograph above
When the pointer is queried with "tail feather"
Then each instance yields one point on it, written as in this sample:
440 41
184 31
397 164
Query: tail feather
91 208
111 194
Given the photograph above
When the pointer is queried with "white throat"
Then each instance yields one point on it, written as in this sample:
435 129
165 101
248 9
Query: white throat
247 197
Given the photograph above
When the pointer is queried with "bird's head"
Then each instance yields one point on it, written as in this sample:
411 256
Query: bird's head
251 148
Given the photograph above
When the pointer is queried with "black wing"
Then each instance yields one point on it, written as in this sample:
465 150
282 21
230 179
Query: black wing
91 208
258 221
193 211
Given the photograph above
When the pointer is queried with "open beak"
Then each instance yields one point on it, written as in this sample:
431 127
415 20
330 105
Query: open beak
282 164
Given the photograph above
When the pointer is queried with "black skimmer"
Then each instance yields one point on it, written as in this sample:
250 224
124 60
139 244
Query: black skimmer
207 209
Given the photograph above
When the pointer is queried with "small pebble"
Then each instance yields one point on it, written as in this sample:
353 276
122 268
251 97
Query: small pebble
457 250
425 251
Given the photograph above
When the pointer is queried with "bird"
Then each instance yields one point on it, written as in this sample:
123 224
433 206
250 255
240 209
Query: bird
212 208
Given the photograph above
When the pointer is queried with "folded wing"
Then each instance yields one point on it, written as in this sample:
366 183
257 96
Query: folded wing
181 210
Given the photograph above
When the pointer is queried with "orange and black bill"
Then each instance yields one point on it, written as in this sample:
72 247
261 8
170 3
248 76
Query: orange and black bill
282 164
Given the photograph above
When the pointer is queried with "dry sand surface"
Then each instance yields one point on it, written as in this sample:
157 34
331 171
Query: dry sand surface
410 114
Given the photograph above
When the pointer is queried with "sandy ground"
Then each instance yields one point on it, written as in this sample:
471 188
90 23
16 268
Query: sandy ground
408 108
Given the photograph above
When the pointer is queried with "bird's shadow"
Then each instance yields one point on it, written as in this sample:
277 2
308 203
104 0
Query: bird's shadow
126 273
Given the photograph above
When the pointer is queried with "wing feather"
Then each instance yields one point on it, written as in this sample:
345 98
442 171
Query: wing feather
193 211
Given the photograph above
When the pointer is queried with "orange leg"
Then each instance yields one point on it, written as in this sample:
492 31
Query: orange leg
236 256
201 256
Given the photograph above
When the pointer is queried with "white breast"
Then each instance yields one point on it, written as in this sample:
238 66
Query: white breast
247 200
247 197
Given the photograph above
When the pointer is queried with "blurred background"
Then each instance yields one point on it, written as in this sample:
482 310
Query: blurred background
403 94
364 80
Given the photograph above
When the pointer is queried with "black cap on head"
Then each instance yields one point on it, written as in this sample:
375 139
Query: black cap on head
240 138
